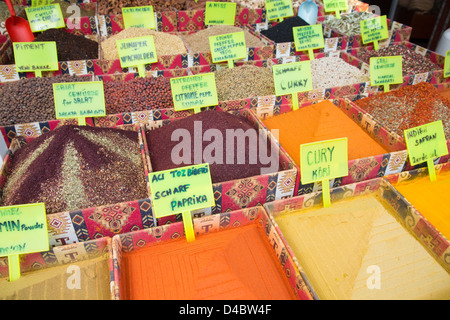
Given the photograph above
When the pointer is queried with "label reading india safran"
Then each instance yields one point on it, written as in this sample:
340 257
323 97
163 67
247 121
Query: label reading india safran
45 17
79 99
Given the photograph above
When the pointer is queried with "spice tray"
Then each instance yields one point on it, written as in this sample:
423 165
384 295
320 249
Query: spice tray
397 32
95 222
245 192
110 25
86 26
434 77
218 258
72 272
367 239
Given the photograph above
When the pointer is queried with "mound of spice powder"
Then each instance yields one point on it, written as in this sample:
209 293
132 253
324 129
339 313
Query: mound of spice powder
75 167
408 107
162 141
137 94
413 62
70 46
282 32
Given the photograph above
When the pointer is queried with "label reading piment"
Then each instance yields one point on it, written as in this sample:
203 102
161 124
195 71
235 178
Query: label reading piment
45 17
374 29
139 17
228 47
79 99
292 77
194 92
278 9
308 37
35 56
23 229
136 51
220 13
386 70
323 160
426 142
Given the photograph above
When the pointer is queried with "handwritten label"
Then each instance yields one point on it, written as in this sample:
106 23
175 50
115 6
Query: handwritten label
37 3
335 5
139 17
374 29
79 99
183 189
278 9
228 47
220 13
45 17
426 142
194 92
292 77
447 65
23 229
386 70
308 37
323 160
35 56
136 51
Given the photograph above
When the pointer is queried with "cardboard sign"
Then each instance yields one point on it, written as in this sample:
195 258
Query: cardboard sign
385 71
79 100
23 229
181 190
194 92
220 13
292 78
374 30
137 52
139 17
308 38
45 17
279 9
335 6
36 56
228 47
425 143
447 65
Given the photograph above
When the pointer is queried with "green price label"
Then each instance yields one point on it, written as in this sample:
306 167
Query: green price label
181 190
194 92
37 3
308 38
426 142
447 65
292 77
335 6
45 17
228 47
137 52
374 30
323 160
279 9
79 99
385 71
23 229
220 13
139 17
36 56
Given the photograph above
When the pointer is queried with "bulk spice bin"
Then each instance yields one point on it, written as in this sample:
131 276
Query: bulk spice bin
236 255
51 275
83 27
71 216
251 186
367 245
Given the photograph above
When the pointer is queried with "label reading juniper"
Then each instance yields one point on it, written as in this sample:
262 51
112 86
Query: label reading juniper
35 56
45 17
277 9
374 29
139 17
220 13
228 47
136 51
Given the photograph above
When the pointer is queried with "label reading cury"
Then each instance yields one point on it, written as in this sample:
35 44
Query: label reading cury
278 9
292 77
45 17
139 17
374 29
35 56
220 13
79 99
228 47
386 70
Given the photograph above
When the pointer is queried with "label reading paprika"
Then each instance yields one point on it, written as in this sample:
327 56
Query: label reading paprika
220 13
228 47
46 17
278 9
139 17
35 56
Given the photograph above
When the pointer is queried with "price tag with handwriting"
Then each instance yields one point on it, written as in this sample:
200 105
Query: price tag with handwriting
374 30
46 17
228 47
279 9
36 56
385 71
139 17
220 13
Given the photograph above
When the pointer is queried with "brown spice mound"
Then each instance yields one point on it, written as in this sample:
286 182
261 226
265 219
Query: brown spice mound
76 167
160 145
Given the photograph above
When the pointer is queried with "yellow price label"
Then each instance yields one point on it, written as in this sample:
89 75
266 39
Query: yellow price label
220 13
228 47
36 56
335 6
46 17
139 17
374 30
447 65
385 71
137 52
278 9
309 38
